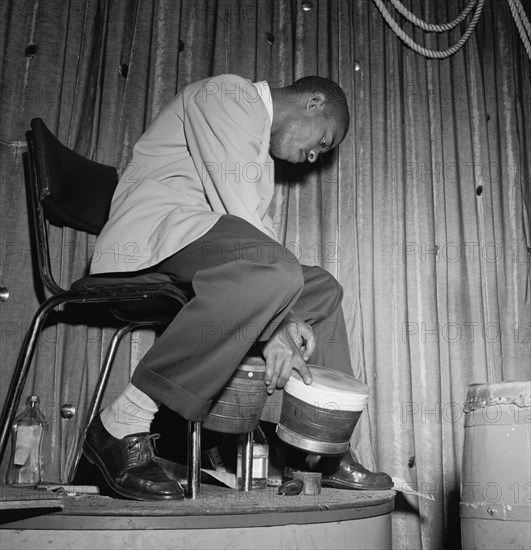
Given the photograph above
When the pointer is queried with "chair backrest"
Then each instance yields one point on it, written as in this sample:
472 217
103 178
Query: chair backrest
64 188
75 191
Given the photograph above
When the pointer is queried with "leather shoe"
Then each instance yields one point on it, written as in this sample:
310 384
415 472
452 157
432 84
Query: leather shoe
129 465
352 475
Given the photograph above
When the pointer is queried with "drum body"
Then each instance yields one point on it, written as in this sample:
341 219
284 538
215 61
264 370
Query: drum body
495 506
321 417
237 408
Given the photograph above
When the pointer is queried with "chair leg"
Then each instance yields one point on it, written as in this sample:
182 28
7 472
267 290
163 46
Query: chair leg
194 459
97 396
247 461
22 367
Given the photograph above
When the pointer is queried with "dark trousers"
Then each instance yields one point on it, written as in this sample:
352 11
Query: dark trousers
244 284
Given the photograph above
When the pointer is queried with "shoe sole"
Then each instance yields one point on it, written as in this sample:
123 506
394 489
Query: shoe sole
353 486
93 457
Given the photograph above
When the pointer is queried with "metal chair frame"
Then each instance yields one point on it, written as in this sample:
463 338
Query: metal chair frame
40 189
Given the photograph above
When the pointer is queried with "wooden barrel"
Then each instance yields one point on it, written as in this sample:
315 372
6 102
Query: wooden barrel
495 506
238 406
321 417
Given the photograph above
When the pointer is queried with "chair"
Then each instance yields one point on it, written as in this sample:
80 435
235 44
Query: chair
68 190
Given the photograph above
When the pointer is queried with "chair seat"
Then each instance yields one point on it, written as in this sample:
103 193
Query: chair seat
144 298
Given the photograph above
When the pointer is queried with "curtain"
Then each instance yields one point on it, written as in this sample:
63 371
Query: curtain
422 213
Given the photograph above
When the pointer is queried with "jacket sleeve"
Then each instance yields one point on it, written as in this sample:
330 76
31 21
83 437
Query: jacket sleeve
224 126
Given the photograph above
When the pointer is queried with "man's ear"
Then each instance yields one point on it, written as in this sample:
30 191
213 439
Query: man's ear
316 100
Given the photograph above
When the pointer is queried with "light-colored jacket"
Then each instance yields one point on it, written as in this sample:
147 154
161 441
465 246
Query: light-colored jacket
206 154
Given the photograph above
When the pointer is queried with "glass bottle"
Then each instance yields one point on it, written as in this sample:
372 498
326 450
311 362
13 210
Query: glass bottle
26 464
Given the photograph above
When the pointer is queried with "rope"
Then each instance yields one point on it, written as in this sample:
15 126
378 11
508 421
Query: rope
439 54
523 16
429 26
522 24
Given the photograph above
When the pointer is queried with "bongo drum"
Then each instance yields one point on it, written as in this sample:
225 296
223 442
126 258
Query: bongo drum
321 417
238 406
495 505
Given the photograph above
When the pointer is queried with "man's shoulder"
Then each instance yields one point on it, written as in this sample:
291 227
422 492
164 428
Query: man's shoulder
230 77
224 88
218 80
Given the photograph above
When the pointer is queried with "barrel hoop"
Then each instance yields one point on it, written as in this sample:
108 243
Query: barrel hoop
488 510
498 415
249 374
504 393
231 389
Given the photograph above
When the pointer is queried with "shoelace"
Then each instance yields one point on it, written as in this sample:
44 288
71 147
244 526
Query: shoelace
142 449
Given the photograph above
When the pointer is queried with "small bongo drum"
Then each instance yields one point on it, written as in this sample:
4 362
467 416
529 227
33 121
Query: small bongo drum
238 406
321 417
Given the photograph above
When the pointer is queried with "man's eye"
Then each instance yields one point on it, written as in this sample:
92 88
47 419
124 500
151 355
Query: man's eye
323 143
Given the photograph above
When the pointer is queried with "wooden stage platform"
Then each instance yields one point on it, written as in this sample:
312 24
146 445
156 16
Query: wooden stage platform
220 518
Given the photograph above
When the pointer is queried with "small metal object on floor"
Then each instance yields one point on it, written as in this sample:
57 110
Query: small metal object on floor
311 482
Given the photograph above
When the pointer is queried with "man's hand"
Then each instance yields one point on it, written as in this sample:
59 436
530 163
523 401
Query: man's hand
290 346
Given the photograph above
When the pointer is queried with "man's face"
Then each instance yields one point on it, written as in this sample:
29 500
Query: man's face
302 136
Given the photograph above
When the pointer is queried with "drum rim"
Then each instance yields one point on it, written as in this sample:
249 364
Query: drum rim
345 400
296 377
310 444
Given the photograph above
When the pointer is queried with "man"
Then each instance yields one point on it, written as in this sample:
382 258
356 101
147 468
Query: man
192 206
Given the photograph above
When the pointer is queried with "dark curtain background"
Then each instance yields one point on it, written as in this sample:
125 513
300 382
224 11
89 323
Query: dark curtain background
422 213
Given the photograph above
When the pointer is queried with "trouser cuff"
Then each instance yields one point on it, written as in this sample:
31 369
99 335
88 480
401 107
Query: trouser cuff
175 397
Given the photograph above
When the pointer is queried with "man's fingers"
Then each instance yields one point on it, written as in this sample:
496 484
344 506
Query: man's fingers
305 373
279 370
284 375
309 347
272 371
303 337
288 349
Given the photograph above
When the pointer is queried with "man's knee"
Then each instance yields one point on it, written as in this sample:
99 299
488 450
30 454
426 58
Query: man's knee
324 286
334 290
286 273
273 272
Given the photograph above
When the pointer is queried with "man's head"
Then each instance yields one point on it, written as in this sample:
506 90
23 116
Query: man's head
309 117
